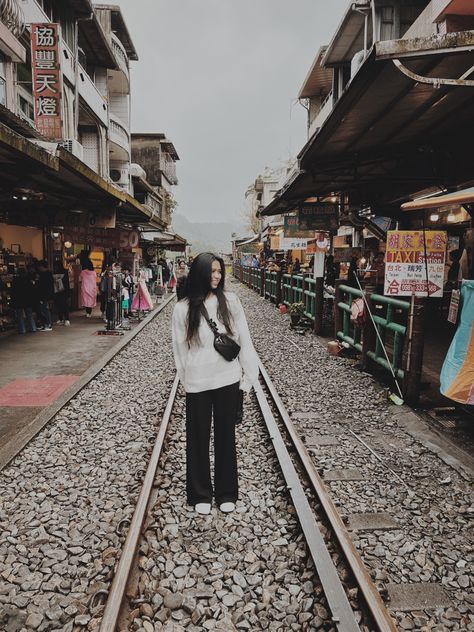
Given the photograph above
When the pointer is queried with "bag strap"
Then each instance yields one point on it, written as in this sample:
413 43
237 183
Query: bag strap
209 321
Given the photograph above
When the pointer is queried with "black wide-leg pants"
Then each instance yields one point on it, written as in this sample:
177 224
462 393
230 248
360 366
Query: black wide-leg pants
220 405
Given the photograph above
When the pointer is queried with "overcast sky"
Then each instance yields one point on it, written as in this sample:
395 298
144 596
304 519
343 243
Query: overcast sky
220 78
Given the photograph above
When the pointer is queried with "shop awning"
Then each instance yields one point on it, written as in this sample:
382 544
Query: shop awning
391 134
166 240
40 183
466 196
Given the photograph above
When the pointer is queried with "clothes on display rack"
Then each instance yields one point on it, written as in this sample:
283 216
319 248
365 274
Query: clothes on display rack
142 299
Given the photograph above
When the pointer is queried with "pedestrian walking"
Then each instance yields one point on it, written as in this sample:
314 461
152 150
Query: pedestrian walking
23 301
88 289
213 384
181 276
45 293
61 293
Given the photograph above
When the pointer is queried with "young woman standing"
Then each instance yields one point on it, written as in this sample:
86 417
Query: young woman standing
211 382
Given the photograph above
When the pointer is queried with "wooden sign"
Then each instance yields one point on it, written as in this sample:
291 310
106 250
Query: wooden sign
318 217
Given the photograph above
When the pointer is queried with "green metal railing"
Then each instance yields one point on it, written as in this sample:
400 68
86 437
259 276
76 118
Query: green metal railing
292 289
391 333
388 325
350 333
246 274
271 285
255 279
310 298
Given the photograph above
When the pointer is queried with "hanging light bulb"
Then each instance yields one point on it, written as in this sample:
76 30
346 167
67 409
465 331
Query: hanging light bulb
434 217
451 217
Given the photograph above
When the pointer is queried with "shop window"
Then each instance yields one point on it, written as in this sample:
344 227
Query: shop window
26 108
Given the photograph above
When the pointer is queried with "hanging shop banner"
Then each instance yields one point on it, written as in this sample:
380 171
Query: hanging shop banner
457 374
102 237
318 217
46 78
274 242
454 307
407 270
290 243
292 228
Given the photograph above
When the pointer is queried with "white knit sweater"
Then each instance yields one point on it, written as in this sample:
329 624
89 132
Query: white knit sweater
200 367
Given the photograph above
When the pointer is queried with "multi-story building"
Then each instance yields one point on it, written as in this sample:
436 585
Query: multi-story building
158 156
65 145
386 99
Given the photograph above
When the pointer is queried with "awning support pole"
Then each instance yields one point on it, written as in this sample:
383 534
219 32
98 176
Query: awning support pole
436 82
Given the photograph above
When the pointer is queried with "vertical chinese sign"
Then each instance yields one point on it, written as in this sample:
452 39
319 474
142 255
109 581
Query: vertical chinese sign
47 85
414 263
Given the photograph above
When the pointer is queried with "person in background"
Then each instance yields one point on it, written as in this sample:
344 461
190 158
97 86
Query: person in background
129 284
88 287
331 271
23 301
272 266
454 268
297 266
181 276
379 267
61 293
45 293
352 274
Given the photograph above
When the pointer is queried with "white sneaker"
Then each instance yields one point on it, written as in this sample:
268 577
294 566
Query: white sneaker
88 315
203 508
67 323
48 328
60 322
227 507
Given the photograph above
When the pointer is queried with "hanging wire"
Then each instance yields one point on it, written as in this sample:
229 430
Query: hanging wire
11 14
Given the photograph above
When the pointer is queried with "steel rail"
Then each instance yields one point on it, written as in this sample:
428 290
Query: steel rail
343 615
119 584
381 617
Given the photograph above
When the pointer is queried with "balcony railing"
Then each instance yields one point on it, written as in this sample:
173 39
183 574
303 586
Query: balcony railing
120 55
118 134
89 92
324 112
168 167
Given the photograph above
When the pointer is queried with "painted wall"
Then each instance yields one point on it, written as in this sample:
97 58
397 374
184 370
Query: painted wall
30 239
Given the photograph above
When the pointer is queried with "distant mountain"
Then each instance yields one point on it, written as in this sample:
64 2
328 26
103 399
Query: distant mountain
212 236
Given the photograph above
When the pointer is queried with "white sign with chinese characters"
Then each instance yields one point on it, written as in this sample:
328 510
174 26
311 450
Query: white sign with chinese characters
414 263
293 243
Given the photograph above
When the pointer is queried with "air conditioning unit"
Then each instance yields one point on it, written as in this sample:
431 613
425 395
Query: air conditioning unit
73 146
121 177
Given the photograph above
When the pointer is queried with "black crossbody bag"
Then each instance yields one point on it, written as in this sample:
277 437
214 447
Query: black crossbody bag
223 343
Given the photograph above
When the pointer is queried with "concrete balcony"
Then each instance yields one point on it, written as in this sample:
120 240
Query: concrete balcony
325 111
116 77
119 136
168 168
120 55
89 92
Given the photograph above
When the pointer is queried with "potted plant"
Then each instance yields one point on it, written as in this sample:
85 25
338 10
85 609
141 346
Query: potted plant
296 311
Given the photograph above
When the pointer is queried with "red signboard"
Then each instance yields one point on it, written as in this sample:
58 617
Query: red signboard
46 77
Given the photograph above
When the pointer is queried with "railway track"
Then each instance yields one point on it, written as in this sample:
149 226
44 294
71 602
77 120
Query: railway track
313 506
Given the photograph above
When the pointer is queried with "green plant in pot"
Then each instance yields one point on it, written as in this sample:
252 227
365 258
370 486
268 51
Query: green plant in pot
296 311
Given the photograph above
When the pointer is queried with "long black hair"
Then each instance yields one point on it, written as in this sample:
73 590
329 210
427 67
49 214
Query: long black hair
197 288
